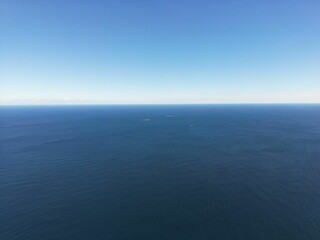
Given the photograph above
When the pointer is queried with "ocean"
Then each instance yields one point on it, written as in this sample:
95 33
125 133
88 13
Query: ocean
160 172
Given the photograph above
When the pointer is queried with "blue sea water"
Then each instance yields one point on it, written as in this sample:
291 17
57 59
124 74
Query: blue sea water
160 172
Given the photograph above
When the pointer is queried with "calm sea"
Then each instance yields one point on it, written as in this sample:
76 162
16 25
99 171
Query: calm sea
160 172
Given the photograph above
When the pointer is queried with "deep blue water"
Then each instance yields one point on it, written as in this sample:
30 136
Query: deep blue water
160 172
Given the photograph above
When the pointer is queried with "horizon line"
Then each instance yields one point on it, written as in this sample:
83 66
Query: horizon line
132 104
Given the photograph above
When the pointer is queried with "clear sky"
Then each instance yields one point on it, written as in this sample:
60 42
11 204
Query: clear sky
168 51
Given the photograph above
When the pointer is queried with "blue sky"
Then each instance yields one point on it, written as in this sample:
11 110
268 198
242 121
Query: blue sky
160 51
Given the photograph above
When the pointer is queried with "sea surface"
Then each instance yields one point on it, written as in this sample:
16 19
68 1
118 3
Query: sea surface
160 172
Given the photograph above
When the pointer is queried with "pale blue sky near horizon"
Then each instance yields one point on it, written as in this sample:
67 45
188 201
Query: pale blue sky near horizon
165 51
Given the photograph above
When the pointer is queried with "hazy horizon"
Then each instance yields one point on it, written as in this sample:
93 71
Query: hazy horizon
161 119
